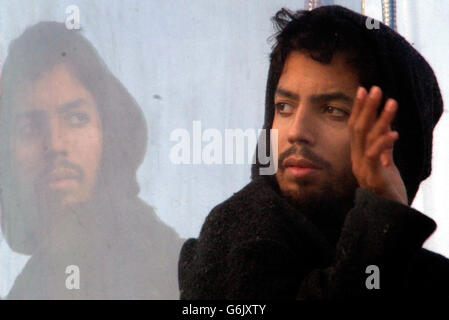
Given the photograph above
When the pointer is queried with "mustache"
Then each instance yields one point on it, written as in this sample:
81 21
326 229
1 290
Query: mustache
305 153
61 165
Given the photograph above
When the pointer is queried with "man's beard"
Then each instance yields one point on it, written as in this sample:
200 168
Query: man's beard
36 213
339 190
51 204
325 205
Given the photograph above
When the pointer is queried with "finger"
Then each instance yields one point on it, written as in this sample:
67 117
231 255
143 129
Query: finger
368 113
384 142
358 102
383 123
356 143
366 117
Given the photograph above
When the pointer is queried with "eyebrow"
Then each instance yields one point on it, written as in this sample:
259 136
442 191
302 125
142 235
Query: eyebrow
338 95
70 105
64 108
287 94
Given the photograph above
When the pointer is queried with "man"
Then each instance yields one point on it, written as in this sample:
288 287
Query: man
334 221
72 140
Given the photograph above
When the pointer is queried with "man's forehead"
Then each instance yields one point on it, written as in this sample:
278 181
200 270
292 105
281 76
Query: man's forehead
338 59
300 71
52 92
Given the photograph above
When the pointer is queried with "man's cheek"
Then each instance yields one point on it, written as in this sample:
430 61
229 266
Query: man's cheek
95 142
282 143
87 140
89 153
27 159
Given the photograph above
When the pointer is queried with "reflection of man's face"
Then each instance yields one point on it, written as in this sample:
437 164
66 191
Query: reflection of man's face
312 106
56 140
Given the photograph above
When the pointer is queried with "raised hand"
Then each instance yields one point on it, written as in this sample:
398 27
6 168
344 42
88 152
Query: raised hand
372 142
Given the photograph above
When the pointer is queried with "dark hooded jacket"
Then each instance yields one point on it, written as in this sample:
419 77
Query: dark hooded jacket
122 249
256 245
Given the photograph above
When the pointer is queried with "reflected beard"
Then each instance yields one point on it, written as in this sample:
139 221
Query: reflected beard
55 200
35 214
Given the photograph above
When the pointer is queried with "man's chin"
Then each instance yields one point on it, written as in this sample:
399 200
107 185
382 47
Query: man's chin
324 198
299 189
304 193
61 201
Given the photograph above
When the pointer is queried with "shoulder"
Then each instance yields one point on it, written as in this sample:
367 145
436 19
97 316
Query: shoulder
149 251
249 233
254 211
432 264
429 274
143 220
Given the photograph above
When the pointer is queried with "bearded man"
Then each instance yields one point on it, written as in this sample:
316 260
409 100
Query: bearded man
354 110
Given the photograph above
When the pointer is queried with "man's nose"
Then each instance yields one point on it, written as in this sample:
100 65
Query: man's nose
55 139
302 126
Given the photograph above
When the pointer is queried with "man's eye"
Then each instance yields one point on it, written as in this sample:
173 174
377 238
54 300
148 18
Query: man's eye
284 108
29 130
26 130
335 111
78 119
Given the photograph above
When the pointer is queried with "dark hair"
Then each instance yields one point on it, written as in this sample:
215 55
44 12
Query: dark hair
381 57
38 50
321 36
